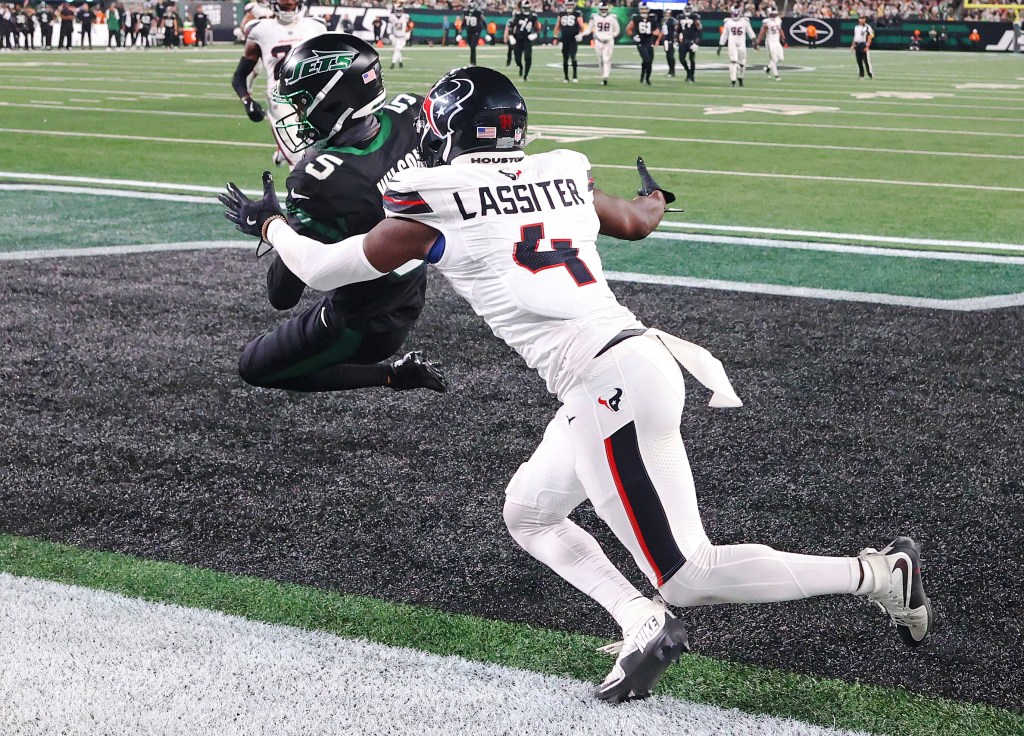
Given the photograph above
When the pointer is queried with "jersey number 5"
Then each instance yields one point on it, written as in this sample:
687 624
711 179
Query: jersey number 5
528 255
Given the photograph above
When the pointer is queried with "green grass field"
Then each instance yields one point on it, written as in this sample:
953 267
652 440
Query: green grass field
906 189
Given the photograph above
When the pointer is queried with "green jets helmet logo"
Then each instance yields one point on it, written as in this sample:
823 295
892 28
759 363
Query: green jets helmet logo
321 63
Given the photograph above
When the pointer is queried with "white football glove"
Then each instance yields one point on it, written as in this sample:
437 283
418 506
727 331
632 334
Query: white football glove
511 40
636 39
532 37
579 37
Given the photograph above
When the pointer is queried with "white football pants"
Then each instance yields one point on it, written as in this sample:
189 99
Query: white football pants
737 62
604 51
396 57
775 57
616 441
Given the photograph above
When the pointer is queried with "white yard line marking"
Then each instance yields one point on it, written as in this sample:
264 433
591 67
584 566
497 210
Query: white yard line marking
842 236
713 141
126 250
92 108
808 177
113 182
125 193
930 255
154 139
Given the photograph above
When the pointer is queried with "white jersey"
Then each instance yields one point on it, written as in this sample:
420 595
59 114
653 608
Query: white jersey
276 39
399 24
604 27
862 33
773 30
735 31
521 248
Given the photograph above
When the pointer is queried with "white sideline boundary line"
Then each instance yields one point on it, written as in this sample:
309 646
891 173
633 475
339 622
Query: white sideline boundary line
842 236
957 305
839 248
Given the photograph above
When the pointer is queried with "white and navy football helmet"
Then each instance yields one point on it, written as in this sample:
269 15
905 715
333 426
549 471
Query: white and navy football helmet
736 11
603 8
644 10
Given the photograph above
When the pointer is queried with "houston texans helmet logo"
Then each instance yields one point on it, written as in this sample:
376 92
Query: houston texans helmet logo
611 402
444 102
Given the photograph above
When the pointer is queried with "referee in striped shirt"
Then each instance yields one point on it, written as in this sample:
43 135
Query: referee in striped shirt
863 34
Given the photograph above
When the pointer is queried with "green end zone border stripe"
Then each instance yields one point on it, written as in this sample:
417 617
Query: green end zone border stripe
866 273
825 702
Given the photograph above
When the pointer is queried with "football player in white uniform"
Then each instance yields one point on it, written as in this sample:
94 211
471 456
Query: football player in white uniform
735 31
270 40
773 37
516 236
605 28
399 23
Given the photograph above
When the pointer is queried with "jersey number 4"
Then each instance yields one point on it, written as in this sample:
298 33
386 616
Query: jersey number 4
528 255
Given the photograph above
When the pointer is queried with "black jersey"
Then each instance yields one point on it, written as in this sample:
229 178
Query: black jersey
473 23
169 20
669 29
690 30
85 17
523 24
200 20
644 28
21 19
145 21
568 26
45 17
337 192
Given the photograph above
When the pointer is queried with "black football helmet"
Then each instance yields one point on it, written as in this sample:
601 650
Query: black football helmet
471 110
330 82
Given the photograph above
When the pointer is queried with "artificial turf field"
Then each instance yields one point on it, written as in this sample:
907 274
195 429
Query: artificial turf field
850 249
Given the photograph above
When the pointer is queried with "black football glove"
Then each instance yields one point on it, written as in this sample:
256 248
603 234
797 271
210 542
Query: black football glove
253 110
250 217
719 51
647 184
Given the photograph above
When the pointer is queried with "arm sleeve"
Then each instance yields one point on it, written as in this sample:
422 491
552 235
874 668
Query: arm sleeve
238 81
322 267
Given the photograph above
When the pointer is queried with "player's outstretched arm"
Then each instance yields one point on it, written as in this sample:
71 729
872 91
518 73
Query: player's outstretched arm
250 57
629 219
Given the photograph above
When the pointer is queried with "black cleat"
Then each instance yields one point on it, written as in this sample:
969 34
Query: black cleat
740 80
645 654
414 371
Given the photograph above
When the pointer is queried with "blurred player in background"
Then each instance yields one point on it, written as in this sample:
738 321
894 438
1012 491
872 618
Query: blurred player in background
400 24
690 30
669 37
171 24
473 24
352 142
523 30
646 35
735 31
569 32
45 17
773 37
605 28
270 40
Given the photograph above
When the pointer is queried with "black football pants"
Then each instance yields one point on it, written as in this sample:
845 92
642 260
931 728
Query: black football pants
569 49
473 42
523 51
646 61
689 61
670 55
46 35
317 351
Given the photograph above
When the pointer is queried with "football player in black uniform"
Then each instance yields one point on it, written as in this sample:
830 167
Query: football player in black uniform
669 36
356 141
145 25
24 26
473 24
689 40
171 23
523 30
646 35
570 32
45 17
85 16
